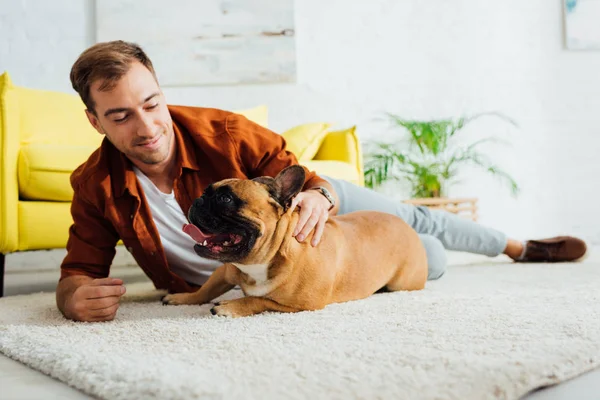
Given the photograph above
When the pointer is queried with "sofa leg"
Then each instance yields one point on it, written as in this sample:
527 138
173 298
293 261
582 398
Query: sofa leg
2 258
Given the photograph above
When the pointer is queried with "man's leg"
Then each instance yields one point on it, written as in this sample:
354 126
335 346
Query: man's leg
436 257
454 232
457 233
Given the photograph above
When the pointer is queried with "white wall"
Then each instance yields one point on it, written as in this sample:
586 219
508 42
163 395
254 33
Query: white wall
357 59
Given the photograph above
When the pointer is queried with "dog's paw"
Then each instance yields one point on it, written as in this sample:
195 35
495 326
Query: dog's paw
221 310
175 299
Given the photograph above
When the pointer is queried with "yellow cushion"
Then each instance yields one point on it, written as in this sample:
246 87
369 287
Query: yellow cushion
44 224
304 140
342 145
54 117
334 169
45 170
258 114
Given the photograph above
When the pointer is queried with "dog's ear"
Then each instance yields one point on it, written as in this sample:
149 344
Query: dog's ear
265 180
289 183
270 184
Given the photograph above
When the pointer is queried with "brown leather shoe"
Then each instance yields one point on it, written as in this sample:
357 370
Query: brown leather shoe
557 249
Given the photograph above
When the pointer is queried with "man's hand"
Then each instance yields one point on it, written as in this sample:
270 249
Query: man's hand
314 212
92 300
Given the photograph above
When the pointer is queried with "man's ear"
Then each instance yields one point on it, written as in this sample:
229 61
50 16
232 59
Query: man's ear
94 121
289 183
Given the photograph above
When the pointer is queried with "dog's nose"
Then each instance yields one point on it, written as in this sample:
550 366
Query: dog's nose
198 202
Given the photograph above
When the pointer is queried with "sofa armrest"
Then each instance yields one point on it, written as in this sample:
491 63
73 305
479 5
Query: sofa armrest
343 145
9 154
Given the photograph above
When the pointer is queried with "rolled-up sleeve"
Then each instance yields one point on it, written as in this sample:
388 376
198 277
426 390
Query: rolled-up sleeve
92 241
263 152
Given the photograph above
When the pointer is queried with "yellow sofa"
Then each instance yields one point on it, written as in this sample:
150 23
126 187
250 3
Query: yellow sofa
45 135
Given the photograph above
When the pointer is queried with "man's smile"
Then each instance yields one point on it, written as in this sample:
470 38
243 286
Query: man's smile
154 143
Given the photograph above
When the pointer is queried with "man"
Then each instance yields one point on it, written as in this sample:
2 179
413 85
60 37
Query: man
156 159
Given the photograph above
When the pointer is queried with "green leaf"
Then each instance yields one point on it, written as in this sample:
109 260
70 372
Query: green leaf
463 121
421 156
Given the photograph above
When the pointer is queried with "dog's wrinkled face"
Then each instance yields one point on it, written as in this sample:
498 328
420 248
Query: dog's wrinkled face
233 217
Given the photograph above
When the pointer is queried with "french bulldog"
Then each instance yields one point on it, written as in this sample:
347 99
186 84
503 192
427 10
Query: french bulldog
248 225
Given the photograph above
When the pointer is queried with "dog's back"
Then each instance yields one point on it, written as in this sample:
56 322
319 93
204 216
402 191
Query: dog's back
359 253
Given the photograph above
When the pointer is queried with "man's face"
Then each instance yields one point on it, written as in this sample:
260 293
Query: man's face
134 116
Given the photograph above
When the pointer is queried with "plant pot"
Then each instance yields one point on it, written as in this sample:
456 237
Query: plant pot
463 207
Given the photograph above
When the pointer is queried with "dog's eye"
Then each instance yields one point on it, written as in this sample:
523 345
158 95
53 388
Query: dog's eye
223 198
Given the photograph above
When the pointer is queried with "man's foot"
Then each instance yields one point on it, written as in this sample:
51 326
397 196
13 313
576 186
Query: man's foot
557 249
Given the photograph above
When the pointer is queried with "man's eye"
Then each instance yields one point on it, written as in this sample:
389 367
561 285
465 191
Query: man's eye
152 106
120 119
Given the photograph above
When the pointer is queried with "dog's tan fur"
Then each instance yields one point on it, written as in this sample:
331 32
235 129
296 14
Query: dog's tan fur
359 254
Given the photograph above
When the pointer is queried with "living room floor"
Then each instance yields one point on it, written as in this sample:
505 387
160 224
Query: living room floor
33 272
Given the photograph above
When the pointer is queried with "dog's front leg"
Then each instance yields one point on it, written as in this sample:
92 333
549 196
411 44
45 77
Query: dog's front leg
221 281
248 306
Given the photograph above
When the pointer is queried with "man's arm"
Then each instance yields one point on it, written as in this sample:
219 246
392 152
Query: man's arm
332 210
263 153
82 298
84 292
65 289
315 210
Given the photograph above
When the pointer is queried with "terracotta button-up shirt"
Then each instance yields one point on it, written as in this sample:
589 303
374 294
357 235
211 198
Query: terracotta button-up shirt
109 204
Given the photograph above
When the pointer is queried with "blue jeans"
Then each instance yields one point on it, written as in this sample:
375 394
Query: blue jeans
438 230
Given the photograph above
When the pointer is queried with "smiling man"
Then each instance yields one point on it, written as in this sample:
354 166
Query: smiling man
157 158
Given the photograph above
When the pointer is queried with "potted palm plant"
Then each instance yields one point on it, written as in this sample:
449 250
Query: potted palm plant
428 158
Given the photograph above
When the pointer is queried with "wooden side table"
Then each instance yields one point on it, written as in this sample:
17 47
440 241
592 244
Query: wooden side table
464 207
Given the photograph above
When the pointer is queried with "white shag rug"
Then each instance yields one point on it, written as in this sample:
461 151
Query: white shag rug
486 330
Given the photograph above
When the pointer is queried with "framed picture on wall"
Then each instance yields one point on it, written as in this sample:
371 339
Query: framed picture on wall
582 24
207 42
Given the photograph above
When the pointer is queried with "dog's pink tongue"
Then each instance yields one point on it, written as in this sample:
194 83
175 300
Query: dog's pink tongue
195 233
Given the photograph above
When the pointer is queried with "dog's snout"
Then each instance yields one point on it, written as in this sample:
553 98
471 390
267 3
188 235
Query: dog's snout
199 202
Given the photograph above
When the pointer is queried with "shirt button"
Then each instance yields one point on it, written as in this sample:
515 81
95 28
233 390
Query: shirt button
152 254
131 216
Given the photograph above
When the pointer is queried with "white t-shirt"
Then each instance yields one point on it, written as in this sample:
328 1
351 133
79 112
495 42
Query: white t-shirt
169 219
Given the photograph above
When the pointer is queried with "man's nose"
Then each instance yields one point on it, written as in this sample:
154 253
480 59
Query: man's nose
146 126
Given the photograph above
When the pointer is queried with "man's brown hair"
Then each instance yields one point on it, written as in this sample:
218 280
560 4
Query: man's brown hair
107 61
